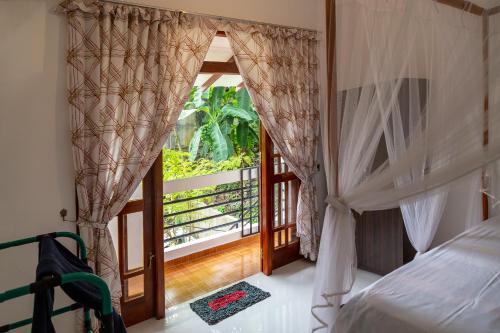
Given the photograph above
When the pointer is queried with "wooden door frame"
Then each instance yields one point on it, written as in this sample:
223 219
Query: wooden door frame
272 258
152 303
158 249
266 208
139 307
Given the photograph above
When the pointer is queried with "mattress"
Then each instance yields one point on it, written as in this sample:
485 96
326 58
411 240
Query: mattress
452 288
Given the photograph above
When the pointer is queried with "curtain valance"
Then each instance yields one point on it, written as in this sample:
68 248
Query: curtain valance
118 11
150 14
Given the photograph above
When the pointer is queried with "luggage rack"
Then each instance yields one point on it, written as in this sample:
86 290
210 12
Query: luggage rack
59 280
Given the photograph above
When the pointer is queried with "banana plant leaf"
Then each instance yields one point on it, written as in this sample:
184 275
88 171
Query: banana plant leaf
215 97
220 152
228 121
242 134
243 99
236 112
245 102
195 99
230 146
194 145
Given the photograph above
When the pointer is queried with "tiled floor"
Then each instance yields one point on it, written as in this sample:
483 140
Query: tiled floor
202 275
286 311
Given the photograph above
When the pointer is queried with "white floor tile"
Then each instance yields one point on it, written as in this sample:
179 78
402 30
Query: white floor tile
286 311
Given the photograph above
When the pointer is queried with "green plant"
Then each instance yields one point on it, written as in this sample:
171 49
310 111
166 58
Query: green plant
226 140
229 124
176 165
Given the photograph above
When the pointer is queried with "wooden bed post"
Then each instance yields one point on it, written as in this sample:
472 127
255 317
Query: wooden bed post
484 179
331 115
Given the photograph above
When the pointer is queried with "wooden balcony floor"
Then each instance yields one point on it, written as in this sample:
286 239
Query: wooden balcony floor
193 278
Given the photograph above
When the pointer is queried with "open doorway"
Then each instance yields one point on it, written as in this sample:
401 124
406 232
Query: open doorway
218 205
211 183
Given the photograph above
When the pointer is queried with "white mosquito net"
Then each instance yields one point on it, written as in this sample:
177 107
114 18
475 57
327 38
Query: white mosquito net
411 76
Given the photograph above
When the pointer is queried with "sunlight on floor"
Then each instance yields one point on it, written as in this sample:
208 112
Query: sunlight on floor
200 276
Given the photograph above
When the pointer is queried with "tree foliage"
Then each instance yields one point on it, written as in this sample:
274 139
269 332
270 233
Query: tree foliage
229 124
176 165
226 139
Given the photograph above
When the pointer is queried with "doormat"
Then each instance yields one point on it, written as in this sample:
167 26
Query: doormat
227 302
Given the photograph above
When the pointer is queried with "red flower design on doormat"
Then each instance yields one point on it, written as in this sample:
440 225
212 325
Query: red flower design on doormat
225 300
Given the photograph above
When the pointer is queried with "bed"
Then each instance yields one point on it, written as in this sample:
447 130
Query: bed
452 288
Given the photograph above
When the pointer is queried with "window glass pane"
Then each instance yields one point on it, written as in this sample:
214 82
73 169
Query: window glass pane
277 239
276 163
137 195
280 238
285 212
278 208
293 193
292 234
134 287
113 229
135 246
279 165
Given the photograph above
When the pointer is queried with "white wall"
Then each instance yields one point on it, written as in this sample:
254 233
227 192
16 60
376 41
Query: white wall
36 166
300 13
464 206
463 209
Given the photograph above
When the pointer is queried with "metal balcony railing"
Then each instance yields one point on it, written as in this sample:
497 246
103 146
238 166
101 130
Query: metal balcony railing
203 206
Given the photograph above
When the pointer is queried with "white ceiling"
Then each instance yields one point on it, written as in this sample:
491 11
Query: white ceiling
487 3
228 80
219 50
202 78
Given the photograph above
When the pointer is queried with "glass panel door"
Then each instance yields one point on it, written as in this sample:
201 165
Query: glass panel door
279 194
140 253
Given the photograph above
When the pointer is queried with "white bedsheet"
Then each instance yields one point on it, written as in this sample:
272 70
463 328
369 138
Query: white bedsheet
453 288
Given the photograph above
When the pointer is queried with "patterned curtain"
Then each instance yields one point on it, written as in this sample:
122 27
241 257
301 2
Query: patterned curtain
130 70
279 68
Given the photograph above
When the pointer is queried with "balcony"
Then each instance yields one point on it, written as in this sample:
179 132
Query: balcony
210 210
211 232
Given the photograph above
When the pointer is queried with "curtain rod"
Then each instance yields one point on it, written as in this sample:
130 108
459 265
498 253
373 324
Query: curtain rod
131 3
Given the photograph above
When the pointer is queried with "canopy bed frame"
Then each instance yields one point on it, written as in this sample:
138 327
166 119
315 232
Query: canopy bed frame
459 4
335 274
